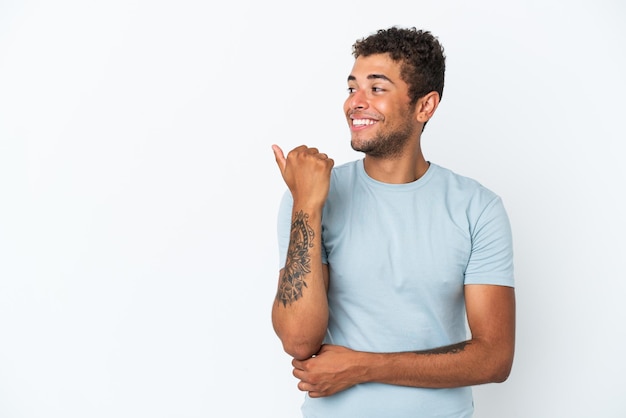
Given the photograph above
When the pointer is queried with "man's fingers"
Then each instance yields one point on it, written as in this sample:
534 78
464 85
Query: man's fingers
297 364
280 157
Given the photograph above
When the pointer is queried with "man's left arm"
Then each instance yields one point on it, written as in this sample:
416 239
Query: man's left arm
487 357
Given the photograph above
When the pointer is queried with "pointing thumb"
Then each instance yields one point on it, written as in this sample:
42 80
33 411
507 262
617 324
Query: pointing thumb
280 157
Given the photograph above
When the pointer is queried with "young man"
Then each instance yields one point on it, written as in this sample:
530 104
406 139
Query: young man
387 257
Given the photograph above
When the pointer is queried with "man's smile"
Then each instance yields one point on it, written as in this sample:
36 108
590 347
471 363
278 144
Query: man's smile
363 122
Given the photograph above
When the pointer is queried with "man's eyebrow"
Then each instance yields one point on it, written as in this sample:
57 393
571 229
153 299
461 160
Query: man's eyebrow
379 76
373 77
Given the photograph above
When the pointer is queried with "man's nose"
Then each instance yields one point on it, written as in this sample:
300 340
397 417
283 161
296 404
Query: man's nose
358 100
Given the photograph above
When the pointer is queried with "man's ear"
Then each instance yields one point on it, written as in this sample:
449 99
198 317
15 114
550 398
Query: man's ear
426 106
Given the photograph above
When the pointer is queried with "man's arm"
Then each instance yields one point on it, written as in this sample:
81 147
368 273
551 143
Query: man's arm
487 357
300 309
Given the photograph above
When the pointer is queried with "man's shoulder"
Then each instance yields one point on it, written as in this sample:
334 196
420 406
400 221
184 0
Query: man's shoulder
462 184
346 167
455 177
451 175
346 172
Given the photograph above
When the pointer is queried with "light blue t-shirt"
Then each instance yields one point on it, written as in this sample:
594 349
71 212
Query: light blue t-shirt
399 256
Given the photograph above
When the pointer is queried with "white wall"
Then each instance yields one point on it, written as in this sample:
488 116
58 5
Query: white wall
138 192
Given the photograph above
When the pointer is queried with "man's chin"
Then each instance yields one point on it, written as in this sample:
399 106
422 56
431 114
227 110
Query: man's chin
359 146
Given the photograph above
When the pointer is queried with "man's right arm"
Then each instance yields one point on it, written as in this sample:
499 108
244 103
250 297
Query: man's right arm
300 309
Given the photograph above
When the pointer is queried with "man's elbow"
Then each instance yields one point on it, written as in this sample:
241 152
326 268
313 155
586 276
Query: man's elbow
500 371
298 341
500 376
302 350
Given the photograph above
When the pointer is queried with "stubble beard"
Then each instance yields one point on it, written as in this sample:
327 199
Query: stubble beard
385 144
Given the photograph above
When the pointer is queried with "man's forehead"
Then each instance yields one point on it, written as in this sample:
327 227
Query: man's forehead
378 66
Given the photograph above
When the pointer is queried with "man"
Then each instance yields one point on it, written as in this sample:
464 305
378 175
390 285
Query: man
387 257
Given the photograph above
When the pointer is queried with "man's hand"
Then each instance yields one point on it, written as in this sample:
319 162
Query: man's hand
333 369
306 172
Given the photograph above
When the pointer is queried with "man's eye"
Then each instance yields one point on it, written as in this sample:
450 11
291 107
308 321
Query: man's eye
377 89
351 90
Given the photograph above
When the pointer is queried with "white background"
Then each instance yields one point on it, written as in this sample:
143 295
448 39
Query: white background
138 191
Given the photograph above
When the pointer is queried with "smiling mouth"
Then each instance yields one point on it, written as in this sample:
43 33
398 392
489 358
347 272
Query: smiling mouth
363 122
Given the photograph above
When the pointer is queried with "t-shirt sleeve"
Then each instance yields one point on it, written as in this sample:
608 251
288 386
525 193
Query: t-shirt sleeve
491 258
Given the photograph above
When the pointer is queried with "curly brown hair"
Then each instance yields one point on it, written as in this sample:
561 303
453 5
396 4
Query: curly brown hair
421 56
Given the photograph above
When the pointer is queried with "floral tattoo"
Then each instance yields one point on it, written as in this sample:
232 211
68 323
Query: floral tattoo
298 260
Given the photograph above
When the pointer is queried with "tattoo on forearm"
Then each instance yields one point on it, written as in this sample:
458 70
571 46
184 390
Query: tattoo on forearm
298 260
448 349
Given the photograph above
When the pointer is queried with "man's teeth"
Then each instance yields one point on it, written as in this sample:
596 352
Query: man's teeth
362 122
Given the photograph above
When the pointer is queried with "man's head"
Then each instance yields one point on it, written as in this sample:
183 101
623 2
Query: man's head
419 53
394 88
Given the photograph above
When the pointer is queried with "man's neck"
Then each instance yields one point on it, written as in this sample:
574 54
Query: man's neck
404 169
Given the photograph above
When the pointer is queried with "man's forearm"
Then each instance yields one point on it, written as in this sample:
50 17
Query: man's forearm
464 364
448 349
336 368
300 310
298 265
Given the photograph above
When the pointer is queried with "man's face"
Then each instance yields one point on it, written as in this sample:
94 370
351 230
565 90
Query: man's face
377 109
